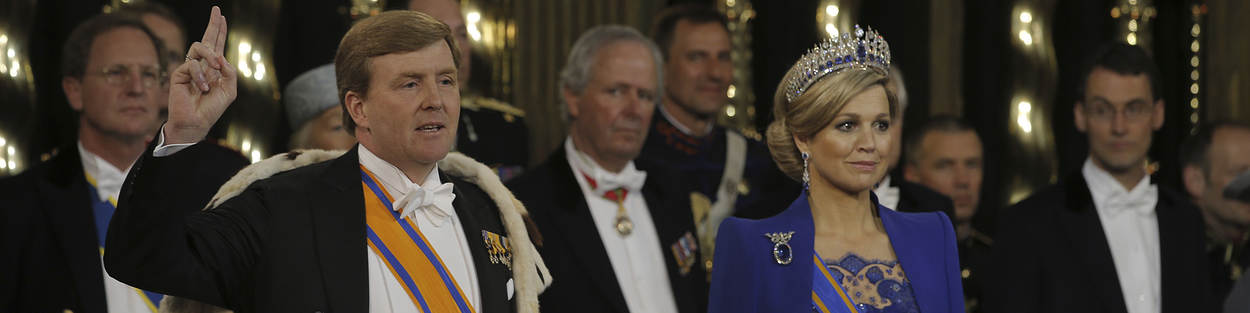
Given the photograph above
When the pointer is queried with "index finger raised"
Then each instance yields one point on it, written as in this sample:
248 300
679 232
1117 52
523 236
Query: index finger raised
219 46
212 32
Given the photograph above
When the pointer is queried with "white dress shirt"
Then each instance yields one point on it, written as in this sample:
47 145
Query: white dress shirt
887 195
443 231
637 259
1132 229
108 183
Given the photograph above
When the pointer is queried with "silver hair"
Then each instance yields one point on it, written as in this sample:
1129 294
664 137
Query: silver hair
896 78
579 68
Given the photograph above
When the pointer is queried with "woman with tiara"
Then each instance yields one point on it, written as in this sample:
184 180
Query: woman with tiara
835 249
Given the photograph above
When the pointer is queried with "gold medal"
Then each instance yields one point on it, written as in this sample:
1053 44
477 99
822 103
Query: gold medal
624 226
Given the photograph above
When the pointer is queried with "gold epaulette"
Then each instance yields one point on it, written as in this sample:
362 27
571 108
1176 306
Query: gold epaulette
749 132
475 103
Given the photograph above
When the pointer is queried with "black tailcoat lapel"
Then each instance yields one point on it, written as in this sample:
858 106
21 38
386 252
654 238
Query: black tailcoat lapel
578 227
337 206
478 213
67 206
1084 233
669 205
1185 279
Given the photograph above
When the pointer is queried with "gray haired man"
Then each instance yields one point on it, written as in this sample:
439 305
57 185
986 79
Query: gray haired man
620 239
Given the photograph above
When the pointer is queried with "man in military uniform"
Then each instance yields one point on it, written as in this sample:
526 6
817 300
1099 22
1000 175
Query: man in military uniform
1212 157
945 154
732 173
491 131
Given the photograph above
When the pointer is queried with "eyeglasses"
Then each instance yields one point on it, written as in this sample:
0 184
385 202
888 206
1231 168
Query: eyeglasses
171 57
1135 111
121 75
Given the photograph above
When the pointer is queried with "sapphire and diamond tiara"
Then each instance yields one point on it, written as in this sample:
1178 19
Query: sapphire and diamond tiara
866 50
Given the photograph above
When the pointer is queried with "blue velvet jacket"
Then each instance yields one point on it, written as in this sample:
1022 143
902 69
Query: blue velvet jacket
746 277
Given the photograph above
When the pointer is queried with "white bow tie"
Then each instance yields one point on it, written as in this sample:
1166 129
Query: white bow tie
627 179
1140 201
435 203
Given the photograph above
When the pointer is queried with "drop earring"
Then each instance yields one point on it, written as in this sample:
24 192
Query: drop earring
807 181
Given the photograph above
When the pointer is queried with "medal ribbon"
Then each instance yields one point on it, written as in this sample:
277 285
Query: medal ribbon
408 254
103 211
827 295
616 195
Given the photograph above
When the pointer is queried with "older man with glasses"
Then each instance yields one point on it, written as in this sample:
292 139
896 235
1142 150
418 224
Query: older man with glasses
57 213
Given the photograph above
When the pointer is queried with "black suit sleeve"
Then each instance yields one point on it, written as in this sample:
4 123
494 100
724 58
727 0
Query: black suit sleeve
13 227
160 240
1015 277
915 197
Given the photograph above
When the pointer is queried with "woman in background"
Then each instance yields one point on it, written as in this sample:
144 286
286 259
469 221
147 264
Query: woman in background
835 249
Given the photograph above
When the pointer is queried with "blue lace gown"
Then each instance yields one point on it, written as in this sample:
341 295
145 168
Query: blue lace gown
876 286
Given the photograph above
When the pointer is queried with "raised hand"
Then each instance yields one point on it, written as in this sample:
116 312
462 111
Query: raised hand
202 87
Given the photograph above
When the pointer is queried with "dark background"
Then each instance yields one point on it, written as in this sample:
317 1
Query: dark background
306 34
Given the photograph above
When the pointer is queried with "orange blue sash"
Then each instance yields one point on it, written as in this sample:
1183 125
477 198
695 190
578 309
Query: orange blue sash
827 295
408 254
103 211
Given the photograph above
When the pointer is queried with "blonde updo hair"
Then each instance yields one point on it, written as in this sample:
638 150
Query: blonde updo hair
814 110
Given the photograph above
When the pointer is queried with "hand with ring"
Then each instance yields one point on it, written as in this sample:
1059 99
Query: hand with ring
202 87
